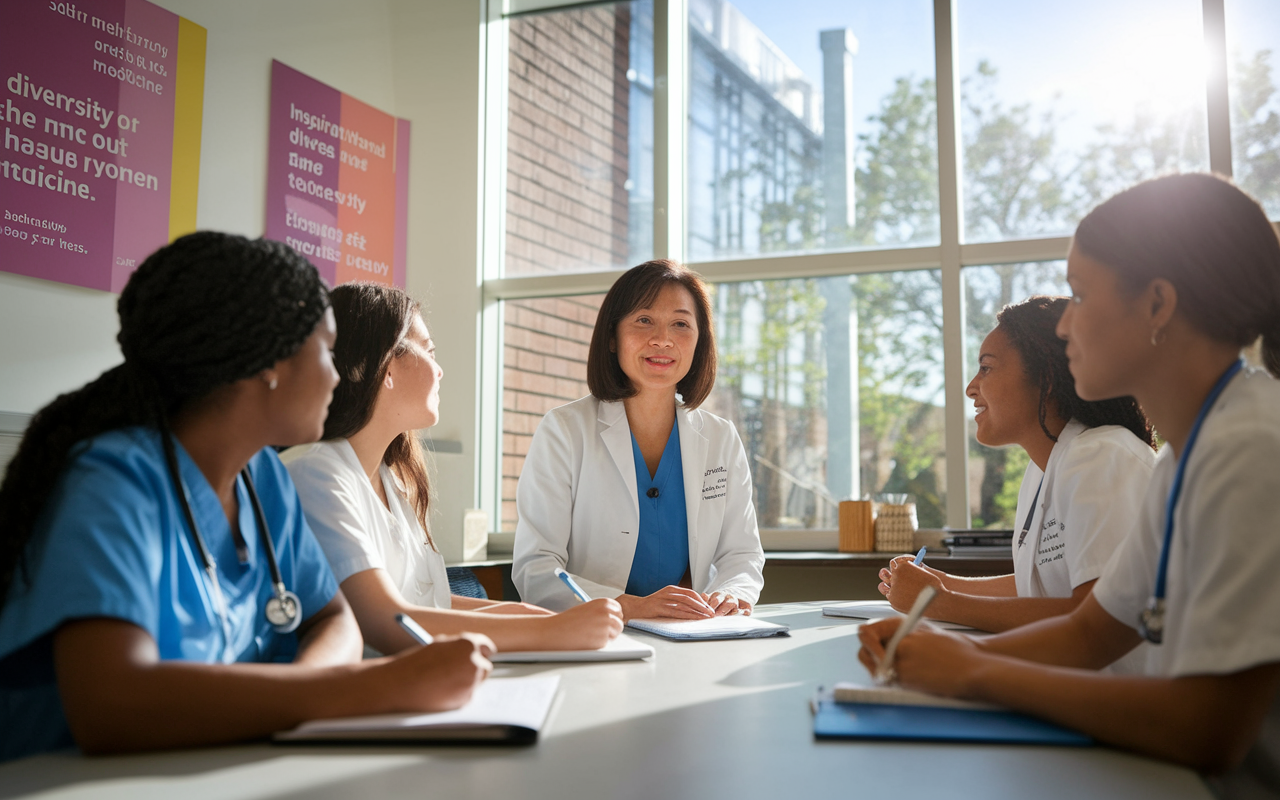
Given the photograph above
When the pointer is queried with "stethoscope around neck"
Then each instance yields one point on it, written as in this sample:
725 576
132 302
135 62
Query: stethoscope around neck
284 609
1151 622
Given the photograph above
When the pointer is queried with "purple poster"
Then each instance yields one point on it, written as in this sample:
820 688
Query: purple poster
337 180
100 120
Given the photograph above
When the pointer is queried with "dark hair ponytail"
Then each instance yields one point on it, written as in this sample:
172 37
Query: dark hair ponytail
202 312
373 320
1210 240
1030 327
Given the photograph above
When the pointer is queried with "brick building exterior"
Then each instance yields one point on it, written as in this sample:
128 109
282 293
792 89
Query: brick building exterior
567 208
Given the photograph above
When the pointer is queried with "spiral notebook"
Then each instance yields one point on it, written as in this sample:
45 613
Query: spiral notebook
623 648
872 712
501 711
733 626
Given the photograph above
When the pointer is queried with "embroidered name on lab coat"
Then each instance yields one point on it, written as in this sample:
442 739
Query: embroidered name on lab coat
1052 547
718 486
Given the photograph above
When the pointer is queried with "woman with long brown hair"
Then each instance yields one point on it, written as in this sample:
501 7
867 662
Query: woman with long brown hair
365 491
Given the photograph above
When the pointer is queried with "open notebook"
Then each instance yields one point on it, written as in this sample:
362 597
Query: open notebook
505 710
623 648
734 626
851 711
879 609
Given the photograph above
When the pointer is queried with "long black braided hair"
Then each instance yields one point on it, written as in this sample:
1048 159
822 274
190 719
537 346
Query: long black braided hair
202 312
1030 327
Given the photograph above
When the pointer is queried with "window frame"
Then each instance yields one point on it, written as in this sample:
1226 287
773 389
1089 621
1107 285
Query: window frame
950 256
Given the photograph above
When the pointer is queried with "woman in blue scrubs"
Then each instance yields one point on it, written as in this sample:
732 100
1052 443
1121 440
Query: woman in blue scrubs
130 620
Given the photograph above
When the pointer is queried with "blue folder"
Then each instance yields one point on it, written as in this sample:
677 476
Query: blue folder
924 723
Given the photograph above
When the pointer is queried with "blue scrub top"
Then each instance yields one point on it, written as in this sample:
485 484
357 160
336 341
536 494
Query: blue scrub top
112 542
662 546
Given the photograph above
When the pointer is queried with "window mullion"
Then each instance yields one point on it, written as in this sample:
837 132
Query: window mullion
1218 107
670 51
951 226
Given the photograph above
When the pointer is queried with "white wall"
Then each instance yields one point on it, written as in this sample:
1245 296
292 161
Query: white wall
418 60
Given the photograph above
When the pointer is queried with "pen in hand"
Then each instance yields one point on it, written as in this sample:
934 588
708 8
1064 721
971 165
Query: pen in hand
920 557
414 629
884 673
573 585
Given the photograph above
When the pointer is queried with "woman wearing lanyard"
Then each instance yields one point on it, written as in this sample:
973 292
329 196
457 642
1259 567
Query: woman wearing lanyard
1090 465
152 551
634 490
365 493
1169 279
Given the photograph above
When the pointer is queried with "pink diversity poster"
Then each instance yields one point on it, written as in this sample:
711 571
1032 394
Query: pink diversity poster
100 117
337 180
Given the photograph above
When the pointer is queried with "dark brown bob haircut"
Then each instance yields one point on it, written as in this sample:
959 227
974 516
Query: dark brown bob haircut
638 287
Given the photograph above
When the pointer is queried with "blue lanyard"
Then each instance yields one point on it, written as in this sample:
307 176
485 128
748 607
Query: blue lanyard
1026 526
1182 468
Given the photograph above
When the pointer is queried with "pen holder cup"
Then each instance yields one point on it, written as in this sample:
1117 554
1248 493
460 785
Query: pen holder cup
857 527
895 527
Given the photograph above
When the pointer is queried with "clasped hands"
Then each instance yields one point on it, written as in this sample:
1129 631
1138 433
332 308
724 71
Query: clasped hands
676 602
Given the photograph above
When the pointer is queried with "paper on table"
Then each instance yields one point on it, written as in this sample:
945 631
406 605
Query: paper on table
897 696
500 708
623 648
880 609
733 626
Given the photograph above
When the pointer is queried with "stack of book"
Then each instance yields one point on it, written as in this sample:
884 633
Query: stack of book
979 543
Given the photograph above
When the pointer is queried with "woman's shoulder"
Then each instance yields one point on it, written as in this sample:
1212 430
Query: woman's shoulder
134 451
578 415
709 424
1246 420
1111 442
319 464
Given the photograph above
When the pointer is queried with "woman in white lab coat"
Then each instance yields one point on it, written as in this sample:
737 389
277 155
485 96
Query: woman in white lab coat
1090 466
1169 280
633 490
365 493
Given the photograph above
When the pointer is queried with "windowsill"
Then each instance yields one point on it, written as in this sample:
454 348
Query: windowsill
772 539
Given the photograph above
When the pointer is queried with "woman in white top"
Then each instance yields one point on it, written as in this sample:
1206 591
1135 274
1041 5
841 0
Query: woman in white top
365 494
636 492
1090 466
1170 280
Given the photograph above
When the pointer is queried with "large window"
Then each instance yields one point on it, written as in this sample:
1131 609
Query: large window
995 473
835 386
1253 69
811 126
864 185
1062 105
579 186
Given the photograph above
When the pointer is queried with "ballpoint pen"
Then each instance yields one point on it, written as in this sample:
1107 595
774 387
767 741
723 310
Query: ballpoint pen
573 586
414 629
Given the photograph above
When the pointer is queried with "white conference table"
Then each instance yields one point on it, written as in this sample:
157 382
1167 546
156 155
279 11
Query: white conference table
701 720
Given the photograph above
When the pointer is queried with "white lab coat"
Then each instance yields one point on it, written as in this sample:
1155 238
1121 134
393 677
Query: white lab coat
578 506
1092 491
1221 590
1093 487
